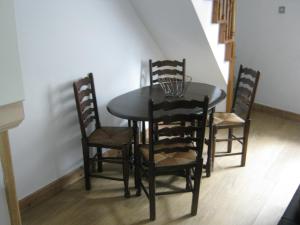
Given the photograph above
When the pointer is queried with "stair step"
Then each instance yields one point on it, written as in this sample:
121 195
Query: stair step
215 14
222 22
229 41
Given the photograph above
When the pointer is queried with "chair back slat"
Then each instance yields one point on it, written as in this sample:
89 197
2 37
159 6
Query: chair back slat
173 63
83 82
84 94
86 103
247 81
177 130
245 92
88 121
168 72
249 71
166 68
181 137
168 119
178 104
87 113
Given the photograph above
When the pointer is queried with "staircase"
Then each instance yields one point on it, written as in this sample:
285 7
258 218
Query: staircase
217 18
224 14
202 31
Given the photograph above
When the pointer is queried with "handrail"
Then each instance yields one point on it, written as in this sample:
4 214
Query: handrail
224 13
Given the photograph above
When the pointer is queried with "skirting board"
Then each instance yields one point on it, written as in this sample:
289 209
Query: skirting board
51 189
277 112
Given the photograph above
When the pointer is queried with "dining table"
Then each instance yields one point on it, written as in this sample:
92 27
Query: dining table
133 105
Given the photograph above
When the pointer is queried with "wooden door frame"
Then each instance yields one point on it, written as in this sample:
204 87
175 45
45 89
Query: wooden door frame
9 180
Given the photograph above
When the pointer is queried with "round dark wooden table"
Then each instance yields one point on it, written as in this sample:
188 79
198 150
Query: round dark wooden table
134 104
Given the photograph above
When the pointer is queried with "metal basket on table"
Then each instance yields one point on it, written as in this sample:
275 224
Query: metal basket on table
174 86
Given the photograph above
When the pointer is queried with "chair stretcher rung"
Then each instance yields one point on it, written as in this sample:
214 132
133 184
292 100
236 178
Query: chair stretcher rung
145 189
108 160
173 192
239 139
106 177
228 139
229 154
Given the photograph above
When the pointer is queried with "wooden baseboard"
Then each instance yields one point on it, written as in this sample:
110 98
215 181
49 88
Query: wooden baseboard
51 189
277 112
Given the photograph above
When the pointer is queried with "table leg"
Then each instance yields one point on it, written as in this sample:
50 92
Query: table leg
209 147
9 180
136 158
143 132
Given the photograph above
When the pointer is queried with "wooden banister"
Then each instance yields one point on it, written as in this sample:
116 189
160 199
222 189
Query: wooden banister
224 13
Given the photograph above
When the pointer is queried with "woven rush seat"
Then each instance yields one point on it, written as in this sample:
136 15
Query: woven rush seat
111 136
169 159
116 153
227 119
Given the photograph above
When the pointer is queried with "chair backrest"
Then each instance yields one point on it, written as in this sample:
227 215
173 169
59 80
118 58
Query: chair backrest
245 92
86 103
191 113
166 68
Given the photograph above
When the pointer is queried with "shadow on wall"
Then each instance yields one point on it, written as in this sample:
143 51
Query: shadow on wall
144 76
64 131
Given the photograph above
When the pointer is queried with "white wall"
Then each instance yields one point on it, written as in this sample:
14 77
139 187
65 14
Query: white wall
269 41
204 11
176 28
60 41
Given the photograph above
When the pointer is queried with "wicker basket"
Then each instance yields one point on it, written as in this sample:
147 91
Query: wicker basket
174 86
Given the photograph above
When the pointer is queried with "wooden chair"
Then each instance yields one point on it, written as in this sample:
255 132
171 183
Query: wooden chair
163 68
169 67
176 151
94 135
239 117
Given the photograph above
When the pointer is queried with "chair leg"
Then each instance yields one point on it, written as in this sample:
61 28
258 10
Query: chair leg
213 147
156 134
209 158
137 175
245 143
152 194
126 171
210 141
229 143
198 174
143 132
86 164
188 179
100 163
130 149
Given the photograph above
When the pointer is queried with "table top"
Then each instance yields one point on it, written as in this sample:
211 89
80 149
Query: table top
134 104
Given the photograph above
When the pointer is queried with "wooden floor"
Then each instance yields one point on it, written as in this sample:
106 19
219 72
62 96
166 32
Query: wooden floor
255 195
